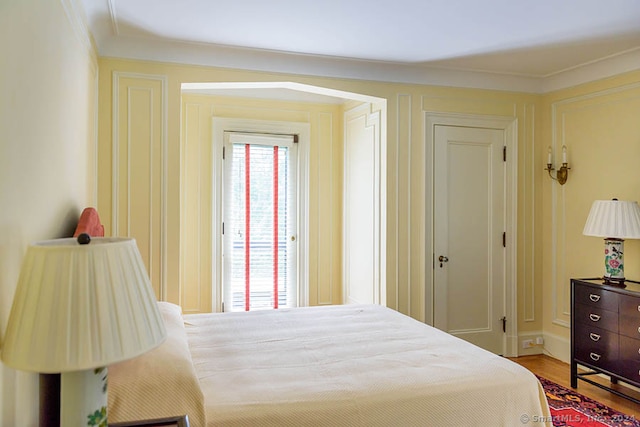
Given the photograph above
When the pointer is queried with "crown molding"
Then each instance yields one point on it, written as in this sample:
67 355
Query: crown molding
595 70
172 51
74 11
310 65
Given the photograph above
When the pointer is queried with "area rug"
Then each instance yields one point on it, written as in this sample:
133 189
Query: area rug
572 409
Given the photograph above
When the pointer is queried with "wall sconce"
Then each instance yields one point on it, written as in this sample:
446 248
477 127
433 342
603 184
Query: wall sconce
563 172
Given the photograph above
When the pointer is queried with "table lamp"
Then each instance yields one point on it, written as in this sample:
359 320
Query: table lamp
615 220
79 306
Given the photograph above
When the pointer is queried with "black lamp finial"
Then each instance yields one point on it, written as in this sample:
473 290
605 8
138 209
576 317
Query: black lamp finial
84 239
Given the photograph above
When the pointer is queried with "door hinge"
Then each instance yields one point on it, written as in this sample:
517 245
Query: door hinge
295 138
223 152
504 323
223 306
223 228
504 153
504 239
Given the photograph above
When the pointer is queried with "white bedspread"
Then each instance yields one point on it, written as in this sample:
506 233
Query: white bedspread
353 365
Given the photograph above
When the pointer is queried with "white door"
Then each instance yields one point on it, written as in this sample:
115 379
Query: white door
260 222
469 222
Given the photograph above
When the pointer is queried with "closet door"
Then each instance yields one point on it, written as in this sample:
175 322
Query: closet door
469 225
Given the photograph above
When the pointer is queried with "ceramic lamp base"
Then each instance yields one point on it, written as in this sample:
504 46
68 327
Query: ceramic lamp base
614 260
83 400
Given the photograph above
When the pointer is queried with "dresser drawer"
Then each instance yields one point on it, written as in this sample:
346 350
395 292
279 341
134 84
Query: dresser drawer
596 359
629 355
596 297
630 326
595 316
630 316
593 339
630 370
630 306
629 349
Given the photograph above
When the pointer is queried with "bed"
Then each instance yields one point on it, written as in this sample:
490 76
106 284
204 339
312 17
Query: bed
349 365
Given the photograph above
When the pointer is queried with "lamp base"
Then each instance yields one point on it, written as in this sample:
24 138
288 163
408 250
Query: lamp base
613 260
84 398
618 282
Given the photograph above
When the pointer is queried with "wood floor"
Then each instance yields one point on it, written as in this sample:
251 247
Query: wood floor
559 372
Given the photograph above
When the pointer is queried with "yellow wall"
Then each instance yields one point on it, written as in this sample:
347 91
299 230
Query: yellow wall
599 123
48 89
407 217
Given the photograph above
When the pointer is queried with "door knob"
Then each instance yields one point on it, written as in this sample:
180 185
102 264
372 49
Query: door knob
442 259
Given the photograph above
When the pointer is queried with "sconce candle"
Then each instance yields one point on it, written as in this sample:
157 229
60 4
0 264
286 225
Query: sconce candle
563 171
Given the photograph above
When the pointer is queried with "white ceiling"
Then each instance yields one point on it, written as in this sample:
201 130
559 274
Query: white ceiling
399 40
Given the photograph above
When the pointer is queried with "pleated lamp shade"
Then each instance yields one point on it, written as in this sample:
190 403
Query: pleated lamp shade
81 306
613 218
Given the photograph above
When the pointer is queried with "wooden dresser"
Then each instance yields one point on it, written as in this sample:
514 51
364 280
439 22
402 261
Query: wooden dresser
605 332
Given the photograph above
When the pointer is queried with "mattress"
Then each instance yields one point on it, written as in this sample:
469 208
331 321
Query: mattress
352 365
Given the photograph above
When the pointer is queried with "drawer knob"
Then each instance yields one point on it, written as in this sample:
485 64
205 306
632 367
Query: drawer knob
594 337
595 356
639 329
595 318
596 298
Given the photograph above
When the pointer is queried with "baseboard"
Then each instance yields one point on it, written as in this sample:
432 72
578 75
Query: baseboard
557 347
553 345
532 350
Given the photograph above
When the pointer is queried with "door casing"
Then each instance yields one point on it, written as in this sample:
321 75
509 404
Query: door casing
510 127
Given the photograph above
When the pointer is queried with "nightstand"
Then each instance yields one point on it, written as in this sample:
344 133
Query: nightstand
182 421
605 332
